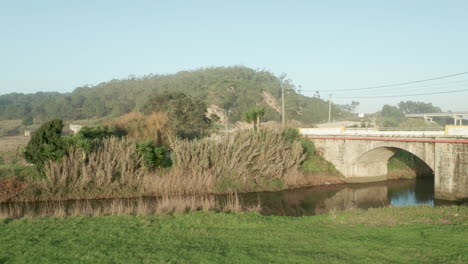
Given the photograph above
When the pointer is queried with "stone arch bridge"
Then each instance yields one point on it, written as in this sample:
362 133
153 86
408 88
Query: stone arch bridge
360 157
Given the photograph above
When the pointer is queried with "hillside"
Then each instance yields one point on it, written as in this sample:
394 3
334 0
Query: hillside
232 89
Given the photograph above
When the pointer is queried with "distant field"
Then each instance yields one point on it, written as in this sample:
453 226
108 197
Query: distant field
10 147
12 143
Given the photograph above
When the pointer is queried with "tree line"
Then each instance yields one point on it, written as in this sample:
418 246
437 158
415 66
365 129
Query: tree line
234 89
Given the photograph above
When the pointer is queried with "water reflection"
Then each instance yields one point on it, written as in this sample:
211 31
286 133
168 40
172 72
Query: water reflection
323 199
298 202
420 191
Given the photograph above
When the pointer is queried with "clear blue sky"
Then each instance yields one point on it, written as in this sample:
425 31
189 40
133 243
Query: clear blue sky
60 45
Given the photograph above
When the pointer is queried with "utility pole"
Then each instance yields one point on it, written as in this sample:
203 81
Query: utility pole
329 109
283 118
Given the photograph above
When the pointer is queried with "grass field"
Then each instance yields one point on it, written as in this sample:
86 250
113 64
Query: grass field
10 149
387 235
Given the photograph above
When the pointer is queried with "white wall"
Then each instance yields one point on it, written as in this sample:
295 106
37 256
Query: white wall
332 131
456 130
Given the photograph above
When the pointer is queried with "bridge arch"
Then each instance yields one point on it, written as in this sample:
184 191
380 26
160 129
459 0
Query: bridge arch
373 162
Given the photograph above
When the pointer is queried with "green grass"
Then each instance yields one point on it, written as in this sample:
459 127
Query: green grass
18 171
389 235
404 160
315 163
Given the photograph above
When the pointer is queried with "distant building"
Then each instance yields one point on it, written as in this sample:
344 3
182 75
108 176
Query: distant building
27 133
75 128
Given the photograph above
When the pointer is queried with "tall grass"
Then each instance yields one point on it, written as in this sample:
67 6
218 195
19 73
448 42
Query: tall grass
114 168
237 162
243 161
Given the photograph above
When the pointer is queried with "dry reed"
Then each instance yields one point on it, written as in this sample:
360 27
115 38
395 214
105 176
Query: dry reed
114 169
141 206
238 162
242 161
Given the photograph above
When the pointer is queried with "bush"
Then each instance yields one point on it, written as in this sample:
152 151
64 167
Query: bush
292 134
154 156
45 144
100 132
186 114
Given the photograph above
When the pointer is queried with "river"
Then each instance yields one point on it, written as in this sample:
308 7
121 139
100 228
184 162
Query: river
297 202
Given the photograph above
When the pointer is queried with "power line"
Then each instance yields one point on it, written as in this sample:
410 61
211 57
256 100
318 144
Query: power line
410 87
392 85
403 95
396 91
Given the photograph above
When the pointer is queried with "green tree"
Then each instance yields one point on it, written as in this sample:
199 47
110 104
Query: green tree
391 116
45 144
187 114
410 107
254 115
235 89
27 120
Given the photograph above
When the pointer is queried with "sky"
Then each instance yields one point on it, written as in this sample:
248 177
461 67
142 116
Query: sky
320 45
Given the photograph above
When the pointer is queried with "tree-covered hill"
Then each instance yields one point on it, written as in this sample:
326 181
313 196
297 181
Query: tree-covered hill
235 89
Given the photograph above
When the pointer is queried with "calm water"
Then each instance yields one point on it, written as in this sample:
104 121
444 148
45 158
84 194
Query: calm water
322 199
298 202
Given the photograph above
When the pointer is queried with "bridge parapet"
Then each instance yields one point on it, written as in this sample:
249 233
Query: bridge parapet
450 131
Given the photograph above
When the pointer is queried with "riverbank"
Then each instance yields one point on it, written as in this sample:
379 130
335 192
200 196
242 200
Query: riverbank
393 235
236 163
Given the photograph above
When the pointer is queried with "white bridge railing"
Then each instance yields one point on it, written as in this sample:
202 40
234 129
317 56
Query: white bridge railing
448 131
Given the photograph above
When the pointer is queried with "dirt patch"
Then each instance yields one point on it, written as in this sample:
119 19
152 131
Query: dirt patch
271 101
401 174
214 109
313 179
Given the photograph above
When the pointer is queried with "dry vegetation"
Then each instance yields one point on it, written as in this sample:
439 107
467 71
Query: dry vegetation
140 127
138 206
237 162
241 161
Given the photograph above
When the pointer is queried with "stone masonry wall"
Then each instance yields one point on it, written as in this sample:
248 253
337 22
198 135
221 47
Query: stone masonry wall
451 181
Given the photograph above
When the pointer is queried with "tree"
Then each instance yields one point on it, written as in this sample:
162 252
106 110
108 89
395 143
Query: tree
410 107
391 116
254 115
27 120
186 113
392 112
45 144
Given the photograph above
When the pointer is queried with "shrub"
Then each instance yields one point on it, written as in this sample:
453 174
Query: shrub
187 114
45 144
154 156
292 134
100 132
